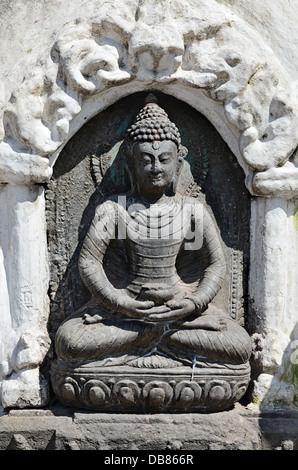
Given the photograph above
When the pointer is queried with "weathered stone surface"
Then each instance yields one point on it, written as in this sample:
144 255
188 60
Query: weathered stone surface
62 429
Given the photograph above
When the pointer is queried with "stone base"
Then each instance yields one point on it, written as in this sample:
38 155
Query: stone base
25 388
242 428
123 388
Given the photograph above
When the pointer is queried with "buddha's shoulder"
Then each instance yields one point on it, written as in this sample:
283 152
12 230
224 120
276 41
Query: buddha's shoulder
191 200
107 205
123 201
112 203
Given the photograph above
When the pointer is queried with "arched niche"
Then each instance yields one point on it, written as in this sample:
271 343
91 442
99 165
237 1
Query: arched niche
90 167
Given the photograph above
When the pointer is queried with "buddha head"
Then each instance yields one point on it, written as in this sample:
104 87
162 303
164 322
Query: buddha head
154 154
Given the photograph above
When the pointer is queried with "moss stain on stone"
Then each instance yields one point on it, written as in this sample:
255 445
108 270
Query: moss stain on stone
291 377
296 218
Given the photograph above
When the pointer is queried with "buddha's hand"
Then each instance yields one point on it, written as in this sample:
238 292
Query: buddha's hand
140 310
176 310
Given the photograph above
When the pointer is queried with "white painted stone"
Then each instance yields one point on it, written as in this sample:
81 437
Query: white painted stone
268 390
24 283
273 296
25 388
280 181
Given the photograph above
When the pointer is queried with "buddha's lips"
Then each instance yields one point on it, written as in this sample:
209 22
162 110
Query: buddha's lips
156 178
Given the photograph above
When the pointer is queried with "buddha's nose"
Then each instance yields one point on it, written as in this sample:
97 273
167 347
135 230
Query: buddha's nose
156 167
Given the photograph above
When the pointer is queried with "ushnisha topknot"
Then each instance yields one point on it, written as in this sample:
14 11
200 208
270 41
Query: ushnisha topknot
153 124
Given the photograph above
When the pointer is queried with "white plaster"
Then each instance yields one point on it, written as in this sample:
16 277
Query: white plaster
276 22
268 390
273 295
280 181
23 334
25 389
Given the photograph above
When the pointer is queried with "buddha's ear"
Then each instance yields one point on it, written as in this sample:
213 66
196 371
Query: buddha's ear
182 153
126 152
180 164
175 180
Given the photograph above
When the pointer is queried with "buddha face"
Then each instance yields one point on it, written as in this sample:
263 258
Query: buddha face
154 165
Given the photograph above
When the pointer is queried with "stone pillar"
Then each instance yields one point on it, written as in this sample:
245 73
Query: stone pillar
273 298
24 302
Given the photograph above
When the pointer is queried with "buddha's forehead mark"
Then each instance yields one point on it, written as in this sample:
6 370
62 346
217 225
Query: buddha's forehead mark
156 149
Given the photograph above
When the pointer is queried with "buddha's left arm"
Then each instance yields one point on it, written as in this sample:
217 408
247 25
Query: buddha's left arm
214 275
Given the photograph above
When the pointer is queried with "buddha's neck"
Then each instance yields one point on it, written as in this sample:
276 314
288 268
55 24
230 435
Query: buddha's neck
149 199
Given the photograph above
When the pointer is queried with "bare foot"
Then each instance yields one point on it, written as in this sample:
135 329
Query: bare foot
207 322
89 319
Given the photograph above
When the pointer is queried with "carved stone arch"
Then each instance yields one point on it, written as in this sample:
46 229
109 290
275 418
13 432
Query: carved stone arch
215 62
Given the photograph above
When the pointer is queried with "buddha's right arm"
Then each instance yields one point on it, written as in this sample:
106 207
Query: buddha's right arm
97 240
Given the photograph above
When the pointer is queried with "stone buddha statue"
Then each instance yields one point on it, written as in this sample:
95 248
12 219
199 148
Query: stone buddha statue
150 338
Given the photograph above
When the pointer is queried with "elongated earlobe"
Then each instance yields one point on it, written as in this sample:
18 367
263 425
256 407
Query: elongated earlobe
175 180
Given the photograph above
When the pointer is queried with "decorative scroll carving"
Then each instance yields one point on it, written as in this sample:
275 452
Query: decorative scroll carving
216 54
281 181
